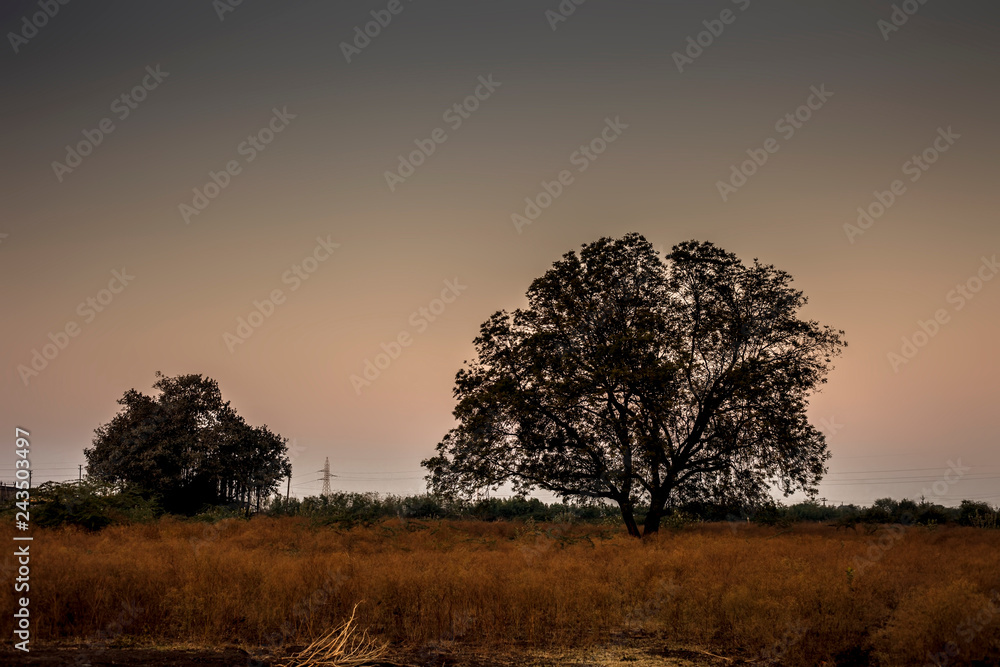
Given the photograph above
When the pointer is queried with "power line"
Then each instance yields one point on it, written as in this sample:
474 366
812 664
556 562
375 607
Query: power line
906 480
871 472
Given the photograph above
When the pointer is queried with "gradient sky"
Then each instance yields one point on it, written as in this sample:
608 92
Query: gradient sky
323 176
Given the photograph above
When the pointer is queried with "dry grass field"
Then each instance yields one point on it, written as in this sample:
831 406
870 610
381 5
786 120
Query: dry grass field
800 595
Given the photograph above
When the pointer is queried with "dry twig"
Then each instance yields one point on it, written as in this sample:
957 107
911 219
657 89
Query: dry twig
340 647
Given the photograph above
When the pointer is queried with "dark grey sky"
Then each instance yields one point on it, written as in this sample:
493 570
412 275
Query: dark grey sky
346 124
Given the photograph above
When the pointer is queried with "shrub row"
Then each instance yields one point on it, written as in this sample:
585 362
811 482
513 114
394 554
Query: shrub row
93 506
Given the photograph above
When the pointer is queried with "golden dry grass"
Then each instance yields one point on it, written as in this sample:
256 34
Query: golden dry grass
748 593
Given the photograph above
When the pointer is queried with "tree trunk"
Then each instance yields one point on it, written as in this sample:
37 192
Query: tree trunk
651 525
633 528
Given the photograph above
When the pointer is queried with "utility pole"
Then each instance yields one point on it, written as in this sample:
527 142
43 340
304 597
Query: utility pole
288 488
326 477
79 477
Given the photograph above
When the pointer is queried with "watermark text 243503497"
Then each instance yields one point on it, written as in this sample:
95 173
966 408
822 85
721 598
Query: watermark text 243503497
22 617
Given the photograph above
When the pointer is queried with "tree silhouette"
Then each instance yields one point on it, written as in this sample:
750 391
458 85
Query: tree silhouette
188 447
643 382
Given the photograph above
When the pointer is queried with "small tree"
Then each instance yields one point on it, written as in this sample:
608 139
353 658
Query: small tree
188 447
636 381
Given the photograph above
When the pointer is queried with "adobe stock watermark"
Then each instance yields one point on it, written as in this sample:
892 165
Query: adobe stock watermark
958 298
714 28
249 149
294 449
454 116
901 13
562 12
303 612
878 548
364 34
122 107
294 276
794 633
666 591
419 321
915 167
581 158
32 23
100 641
786 126
967 631
88 310
223 7
829 426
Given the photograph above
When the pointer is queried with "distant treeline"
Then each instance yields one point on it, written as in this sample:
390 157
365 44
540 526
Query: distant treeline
92 506
350 508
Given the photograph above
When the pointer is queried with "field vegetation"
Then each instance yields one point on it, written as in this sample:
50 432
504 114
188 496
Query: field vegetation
798 593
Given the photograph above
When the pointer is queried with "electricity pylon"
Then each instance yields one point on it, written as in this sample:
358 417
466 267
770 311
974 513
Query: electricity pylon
326 477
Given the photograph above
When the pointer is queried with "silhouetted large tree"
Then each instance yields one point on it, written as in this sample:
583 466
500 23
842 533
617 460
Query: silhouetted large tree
643 382
188 447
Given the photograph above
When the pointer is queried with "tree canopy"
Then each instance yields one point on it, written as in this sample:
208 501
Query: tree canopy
640 381
188 448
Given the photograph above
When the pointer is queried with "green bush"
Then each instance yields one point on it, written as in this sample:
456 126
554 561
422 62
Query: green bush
213 513
811 510
92 506
367 508
89 505
424 507
978 514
